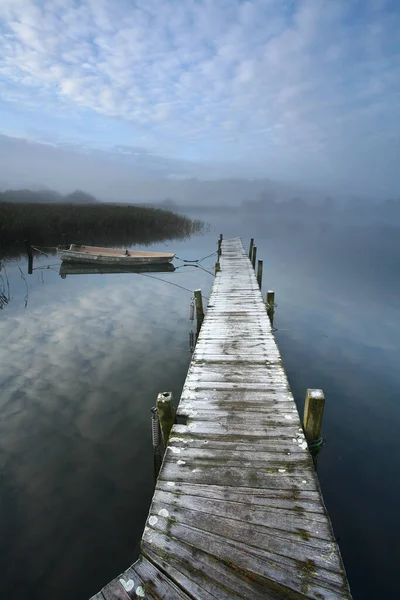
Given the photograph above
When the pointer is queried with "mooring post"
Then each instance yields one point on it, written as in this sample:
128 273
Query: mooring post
28 249
312 420
191 341
251 248
259 272
254 257
217 267
199 308
166 414
270 303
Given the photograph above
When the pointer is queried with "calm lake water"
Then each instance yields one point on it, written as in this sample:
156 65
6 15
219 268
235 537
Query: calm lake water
83 362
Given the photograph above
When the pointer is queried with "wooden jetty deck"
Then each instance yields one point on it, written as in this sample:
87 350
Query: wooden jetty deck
237 511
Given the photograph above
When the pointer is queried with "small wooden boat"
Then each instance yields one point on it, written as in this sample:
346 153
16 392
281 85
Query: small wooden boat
112 256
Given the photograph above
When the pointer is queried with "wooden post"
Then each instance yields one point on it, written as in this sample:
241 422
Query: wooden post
166 414
253 260
270 302
199 308
221 237
259 272
28 249
251 248
217 267
313 412
192 343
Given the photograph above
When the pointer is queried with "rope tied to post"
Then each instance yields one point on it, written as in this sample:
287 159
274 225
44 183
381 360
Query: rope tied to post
317 443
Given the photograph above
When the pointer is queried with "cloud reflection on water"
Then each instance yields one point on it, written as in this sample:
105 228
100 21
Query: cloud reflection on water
80 371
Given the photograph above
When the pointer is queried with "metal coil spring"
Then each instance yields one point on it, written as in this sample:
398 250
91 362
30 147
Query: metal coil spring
155 429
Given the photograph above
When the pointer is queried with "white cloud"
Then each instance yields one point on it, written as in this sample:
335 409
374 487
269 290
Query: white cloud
283 78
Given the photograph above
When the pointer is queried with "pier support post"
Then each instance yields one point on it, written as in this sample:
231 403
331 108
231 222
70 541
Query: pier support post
259 272
28 249
217 267
254 257
251 248
313 413
199 308
270 302
166 414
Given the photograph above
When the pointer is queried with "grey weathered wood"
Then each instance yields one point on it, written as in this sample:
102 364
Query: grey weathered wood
199 308
166 415
259 272
237 510
251 248
254 256
313 413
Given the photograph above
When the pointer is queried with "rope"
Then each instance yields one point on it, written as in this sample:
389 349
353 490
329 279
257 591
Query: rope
170 283
197 260
197 267
317 444
41 251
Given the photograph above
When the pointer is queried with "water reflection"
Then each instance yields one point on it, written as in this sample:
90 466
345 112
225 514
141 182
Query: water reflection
5 294
81 369
83 364
88 269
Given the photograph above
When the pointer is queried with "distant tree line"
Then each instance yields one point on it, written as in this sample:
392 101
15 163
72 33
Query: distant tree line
52 224
46 197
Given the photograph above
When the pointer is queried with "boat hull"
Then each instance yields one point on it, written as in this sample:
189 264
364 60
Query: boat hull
112 257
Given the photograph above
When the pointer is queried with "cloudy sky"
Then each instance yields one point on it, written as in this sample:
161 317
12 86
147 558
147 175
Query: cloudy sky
300 89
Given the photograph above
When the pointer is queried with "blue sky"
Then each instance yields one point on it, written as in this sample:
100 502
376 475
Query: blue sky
304 88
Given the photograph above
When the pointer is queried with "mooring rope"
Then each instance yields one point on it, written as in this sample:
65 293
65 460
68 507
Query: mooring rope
197 260
170 283
197 267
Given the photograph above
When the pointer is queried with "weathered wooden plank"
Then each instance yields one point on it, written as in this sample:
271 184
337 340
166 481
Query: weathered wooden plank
203 455
115 591
235 476
220 577
287 572
288 431
280 518
231 443
301 500
152 582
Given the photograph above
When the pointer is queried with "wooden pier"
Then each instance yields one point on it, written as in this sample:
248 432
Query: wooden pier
237 511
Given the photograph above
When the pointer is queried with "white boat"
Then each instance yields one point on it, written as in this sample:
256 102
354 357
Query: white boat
112 256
